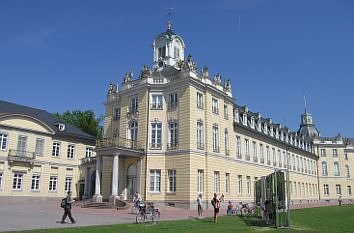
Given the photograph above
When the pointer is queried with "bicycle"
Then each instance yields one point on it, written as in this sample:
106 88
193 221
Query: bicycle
147 214
134 209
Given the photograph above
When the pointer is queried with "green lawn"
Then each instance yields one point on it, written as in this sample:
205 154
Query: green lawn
333 219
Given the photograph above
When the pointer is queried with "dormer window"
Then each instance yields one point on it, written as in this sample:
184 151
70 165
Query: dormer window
252 122
244 120
61 126
271 130
162 52
176 52
236 116
265 128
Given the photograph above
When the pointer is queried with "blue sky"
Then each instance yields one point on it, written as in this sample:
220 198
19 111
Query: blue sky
62 55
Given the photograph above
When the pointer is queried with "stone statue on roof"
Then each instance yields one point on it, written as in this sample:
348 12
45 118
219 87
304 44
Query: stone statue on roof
145 72
112 88
227 85
205 72
217 78
128 77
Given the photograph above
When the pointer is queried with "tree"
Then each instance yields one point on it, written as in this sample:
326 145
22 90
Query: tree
84 120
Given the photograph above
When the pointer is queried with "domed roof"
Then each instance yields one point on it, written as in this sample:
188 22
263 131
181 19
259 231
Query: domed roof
169 34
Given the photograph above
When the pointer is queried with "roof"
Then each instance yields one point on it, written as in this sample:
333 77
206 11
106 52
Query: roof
49 119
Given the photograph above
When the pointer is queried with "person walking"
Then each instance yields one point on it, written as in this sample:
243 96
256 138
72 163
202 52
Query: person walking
200 208
215 202
67 209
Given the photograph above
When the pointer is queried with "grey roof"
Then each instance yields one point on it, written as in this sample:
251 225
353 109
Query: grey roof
47 118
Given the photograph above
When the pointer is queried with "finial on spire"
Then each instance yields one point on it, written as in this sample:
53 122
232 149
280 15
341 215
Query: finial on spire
170 11
305 103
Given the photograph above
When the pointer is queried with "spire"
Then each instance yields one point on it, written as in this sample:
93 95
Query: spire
305 103
169 25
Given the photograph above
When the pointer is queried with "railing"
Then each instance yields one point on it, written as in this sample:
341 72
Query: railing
172 146
119 142
88 160
21 156
155 146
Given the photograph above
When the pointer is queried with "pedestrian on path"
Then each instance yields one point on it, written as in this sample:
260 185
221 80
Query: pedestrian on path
67 209
215 202
200 208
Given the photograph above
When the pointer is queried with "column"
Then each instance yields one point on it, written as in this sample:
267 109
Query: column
138 175
98 197
87 183
114 178
121 187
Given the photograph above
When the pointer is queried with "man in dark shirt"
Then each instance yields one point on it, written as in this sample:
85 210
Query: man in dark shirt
67 209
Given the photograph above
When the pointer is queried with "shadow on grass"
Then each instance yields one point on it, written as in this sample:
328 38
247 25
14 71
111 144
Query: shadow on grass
253 221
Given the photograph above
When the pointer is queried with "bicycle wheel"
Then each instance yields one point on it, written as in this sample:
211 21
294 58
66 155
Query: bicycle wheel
140 218
155 217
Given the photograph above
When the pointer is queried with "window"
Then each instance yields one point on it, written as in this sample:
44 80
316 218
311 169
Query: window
155 180
215 106
248 184
335 153
71 151
325 189
39 147
156 136
268 155
173 100
226 112
336 169
162 52
346 156
227 145
116 115
247 149
21 145
297 163
254 145
1 178
216 138
295 190
338 189
172 181
238 147
200 100
35 182
173 126
301 164
324 169
133 131
200 181
347 171
200 137
176 52
227 183
89 152
133 104
279 158
17 181
323 152
53 182
216 182
274 157
293 161
261 153
3 141
68 183
156 102
56 149
239 181
349 190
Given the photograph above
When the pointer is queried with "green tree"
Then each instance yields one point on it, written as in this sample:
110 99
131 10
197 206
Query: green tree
84 120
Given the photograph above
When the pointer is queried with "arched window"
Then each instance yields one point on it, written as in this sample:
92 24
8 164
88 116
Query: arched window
336 169
133 131
324 169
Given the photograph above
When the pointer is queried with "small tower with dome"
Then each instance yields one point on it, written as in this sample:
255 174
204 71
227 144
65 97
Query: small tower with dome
168 48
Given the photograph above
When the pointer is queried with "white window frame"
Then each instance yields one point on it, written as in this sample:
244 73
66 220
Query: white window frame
248 184
347 170
17 181
239 184
226 112
227 142
156 101
247 149
156 136
326 189
4 140
39 150
323 152
200 135
68 183
200 100
255 156
335 152
227 183
35 183
268 155
324 169
338 189
173 100
53 183
215 134
173 134
133 130
155 180
133 104
172 180
89 152
56 149
261 152
238 147
336 169
215 105
200 181
117 113
216 182
71 151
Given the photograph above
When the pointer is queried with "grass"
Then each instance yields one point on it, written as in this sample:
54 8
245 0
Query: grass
332 219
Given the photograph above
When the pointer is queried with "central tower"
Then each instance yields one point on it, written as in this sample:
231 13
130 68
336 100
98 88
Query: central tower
168 48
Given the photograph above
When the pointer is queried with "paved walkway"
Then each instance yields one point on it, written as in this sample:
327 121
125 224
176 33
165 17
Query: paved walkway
44 215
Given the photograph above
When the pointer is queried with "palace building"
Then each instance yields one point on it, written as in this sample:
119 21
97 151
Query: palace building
40 155
174 132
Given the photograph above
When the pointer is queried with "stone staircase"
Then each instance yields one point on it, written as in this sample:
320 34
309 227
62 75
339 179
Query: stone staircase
105 205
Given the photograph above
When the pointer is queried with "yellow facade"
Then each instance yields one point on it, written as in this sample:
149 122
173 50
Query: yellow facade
28 167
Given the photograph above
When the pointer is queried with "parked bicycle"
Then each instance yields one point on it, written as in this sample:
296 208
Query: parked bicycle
147 213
